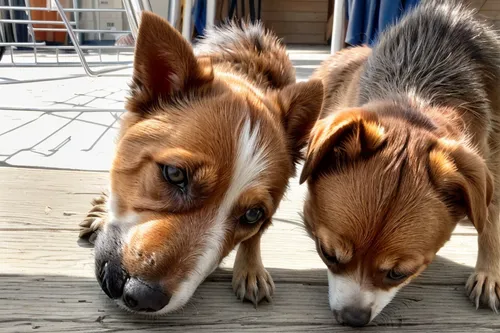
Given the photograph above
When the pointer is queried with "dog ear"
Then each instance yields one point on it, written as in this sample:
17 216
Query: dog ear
463 179
300 105
346 135
164 64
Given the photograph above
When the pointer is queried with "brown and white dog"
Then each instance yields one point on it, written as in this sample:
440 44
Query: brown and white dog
407 144
204 155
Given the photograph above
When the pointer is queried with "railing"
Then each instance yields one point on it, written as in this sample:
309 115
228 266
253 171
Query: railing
71 24
72 27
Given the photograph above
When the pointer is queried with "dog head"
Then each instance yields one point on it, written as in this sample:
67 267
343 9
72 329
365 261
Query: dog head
202 162
385 193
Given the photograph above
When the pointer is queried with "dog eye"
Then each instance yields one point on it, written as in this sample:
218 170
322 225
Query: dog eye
396 276
174 175
253 215
332 260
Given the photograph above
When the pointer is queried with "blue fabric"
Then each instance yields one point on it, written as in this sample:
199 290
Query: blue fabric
199 13
200 16
21 29
367 18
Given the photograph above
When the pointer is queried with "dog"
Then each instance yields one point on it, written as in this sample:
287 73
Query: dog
206 148
407 144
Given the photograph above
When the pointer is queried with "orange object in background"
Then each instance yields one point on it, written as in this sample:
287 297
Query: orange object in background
58 37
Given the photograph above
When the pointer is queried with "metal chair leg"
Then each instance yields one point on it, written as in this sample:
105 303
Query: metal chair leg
131 17
338 26
78 50
173 12
186 19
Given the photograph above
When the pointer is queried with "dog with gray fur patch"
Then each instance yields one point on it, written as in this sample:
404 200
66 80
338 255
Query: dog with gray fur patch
407 144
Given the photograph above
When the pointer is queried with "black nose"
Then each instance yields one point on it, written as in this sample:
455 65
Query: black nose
141 296
354 317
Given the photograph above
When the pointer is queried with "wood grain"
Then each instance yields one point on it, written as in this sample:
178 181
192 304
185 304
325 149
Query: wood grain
47 281
295 16
294 6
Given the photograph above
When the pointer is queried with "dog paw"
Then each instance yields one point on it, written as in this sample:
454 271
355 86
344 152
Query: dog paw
94 219
253 284
483 288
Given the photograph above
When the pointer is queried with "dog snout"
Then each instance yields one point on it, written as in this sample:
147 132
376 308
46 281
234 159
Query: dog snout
112 278
353 316
108 264
144 297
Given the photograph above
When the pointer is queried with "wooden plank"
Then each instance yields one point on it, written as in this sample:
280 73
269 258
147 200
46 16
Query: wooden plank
294 16
23 207
39 252
305 39
72 327
305 28
72 191
297 22
294 6
48 284
65 200
37 249
231 328
44 300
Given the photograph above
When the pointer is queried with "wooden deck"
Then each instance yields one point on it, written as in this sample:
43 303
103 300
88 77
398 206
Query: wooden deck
47 282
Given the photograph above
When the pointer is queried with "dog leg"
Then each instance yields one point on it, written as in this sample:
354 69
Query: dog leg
95 219
251 281
483 287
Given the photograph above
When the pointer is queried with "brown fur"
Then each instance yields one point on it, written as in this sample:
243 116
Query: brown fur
390 174
188 111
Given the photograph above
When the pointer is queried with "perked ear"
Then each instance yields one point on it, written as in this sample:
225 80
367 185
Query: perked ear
346 135
463 179
164 63
300 105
